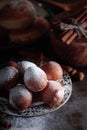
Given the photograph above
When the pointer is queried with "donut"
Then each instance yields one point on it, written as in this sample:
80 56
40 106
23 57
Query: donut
35 79
30 35
23 65
19 97
53 94
53 70
12 63
8 78
17 14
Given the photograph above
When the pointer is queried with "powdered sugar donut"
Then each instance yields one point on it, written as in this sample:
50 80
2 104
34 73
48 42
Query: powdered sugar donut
17 14
53 70
30 35
19 97
35 79
53 94
8 77
23 65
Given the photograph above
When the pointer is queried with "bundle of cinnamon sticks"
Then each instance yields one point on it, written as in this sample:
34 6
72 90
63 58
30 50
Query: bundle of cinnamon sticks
67 36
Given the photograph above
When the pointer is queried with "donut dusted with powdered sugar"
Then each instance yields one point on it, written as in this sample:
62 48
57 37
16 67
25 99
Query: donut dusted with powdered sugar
23 65
53 94
35 79
8 77
19 97
17 14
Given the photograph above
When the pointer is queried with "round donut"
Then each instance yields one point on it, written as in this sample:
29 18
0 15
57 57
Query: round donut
23 65
8 77
12 63
53 94
35 79
53 70
30 35
19 97
17 14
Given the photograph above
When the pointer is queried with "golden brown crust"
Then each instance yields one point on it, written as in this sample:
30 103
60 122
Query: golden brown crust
53 70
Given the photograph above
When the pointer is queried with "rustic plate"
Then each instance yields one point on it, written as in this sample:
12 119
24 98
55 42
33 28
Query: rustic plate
38 108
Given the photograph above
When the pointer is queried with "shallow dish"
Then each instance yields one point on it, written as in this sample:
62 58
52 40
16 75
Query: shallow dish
38 108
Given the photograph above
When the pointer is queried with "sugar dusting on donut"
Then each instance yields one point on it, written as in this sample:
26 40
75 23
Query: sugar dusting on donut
23 65
20 97
53 94
7 74
35 79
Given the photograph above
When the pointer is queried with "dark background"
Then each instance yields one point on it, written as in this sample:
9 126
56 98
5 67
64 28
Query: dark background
72 116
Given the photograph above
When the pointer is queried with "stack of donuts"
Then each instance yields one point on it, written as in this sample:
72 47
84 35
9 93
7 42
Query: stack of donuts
18 18
35 80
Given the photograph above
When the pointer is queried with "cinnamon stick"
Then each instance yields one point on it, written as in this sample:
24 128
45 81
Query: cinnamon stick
70 32
67 35
73 36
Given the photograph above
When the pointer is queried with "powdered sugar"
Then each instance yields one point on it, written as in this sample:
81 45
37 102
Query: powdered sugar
60 93
35 78
7 73
17 92
33 73
23 65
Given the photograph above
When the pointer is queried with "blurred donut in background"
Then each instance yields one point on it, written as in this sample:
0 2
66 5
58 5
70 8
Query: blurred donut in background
17 14
30 35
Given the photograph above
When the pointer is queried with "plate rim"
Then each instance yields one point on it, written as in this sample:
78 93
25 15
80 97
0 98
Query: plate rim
52 109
